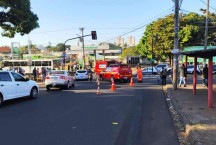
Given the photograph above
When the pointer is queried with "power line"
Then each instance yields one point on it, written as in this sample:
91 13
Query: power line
209 5
142 25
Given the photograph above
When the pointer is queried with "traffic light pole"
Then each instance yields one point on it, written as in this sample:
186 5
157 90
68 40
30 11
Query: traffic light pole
64 53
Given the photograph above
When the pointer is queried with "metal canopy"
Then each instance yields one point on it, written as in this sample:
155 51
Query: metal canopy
208 53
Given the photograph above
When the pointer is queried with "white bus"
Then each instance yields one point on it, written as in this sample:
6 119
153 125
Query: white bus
29 66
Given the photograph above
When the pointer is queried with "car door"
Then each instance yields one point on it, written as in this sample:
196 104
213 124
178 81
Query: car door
23 88
7 86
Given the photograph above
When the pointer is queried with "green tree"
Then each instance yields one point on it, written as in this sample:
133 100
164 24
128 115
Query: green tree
159 35
35 50
23 50
191 29
131 51
60 47
17 17
158 39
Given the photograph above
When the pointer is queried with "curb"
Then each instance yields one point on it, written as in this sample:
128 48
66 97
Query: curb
179 116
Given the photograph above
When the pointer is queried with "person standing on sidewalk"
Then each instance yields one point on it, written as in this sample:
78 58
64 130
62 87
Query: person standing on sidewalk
205 76
182 73
163 75
34 73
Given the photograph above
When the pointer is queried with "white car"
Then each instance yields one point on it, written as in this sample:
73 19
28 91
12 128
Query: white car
164 65
14 85
148 70
59 79
190 69
81 75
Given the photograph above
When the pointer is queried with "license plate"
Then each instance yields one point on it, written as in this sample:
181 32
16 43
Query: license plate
54 78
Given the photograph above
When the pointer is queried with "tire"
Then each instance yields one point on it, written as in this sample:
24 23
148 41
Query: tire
48 88
1 99
34 92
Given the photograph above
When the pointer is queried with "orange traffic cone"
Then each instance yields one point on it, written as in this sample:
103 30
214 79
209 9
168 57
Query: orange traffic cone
98 90
131 82
113 88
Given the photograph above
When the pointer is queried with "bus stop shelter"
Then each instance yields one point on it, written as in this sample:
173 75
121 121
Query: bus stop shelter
208 54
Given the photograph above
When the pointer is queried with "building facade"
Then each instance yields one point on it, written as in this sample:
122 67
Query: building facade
120 41
131 41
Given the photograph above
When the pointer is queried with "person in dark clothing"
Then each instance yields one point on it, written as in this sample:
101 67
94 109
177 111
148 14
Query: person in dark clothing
90 74
205 75
20 71
182 74
34 73
163 75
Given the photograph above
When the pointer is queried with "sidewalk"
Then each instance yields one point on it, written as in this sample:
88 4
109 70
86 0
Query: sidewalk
198 121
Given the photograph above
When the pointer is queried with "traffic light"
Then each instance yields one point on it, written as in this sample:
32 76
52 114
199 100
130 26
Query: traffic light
94 35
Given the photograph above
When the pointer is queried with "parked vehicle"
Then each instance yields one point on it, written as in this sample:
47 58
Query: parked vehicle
102 65
120 72
214 69
26 64
81 75
165 65
14 85
148 70
190 69
59 79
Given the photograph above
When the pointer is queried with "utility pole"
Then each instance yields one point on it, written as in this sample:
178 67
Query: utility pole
206 29
82 29
152 63
176 46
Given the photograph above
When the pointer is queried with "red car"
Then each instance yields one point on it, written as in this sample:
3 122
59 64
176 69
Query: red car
117 72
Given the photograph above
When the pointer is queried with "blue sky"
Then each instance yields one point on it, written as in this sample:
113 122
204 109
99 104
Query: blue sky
61 20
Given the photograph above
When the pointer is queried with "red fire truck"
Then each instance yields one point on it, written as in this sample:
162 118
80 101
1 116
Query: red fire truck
102 65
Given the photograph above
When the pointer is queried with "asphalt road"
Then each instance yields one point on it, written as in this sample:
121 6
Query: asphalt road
78 116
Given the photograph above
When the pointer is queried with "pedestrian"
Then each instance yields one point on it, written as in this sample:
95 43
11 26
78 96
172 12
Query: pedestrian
21 71
90 74
182 74
163 75
43 72
16 70
34 73
72 68
205 76
139 74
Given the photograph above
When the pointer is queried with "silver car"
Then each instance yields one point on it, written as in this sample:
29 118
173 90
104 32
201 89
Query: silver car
59 79
148 70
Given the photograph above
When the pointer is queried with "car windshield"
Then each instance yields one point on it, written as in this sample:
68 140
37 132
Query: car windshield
190 66
161 65
81 71
114 65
